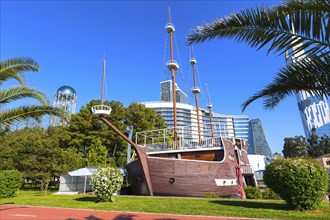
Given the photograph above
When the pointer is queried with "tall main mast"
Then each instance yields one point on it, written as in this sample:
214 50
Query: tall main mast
172 66
196 91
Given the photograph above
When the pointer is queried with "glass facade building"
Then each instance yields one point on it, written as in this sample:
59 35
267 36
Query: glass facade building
166 93
314 113
257 140
231 125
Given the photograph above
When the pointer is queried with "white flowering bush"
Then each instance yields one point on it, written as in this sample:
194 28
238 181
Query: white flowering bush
302 183
105 183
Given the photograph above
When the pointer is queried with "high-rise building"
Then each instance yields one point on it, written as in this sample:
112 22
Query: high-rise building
227 125
166 93
314 111
257 140
65 98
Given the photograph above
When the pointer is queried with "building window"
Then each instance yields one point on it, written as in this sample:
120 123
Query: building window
328 162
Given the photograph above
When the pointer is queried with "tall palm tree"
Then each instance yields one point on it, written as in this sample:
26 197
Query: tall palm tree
12 69
302 25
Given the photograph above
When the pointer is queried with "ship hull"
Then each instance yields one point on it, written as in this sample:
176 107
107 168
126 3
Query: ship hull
187 177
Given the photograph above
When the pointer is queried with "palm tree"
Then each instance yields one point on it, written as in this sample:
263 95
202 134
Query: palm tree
11 69
299 28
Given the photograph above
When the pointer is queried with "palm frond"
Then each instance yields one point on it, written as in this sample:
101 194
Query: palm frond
311 75
26 112
12 75
17 93
272 26
12 68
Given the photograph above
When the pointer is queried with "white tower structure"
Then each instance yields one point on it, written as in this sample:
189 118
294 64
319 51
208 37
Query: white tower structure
65 98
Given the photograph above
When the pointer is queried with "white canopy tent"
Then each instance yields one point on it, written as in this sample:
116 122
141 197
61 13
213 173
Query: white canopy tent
77 181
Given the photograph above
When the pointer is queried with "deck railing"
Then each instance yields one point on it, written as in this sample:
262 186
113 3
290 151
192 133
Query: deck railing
247 169
162 139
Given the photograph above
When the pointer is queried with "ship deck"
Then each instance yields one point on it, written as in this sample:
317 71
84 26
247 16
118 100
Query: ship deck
161 140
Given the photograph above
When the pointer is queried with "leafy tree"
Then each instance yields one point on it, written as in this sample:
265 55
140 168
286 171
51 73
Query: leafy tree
303 25
143 118
36 155
295 147
97 154
318 146
84 128
12 69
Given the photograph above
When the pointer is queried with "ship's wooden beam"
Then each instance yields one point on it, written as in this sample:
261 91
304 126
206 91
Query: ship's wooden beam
140 153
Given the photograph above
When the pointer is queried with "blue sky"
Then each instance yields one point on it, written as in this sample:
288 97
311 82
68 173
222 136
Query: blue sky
70 38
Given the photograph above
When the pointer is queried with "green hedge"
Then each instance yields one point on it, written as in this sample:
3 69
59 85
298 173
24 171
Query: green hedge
252 192
302 183
10 182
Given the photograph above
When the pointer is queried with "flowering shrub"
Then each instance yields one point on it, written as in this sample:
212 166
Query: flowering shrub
105 183
302 183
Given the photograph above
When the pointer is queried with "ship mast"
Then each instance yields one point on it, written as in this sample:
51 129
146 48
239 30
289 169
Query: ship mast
196 91
173 66
209 106
103 79
103 111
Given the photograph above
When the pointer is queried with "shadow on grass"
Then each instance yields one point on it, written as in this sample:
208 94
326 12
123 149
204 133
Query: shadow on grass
86 199
252 204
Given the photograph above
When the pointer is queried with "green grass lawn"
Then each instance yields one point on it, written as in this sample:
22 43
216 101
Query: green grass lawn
271 209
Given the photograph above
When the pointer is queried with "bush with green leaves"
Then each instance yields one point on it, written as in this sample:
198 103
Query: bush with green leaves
105 183
270 194
10 182
302 183
252 192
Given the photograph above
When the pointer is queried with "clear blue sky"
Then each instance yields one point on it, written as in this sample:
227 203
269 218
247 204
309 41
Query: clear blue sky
69 39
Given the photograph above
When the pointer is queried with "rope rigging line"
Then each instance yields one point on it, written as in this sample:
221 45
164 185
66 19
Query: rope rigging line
200 87
164 76
181 70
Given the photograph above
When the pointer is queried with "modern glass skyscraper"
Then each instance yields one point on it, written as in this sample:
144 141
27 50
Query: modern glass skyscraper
257 140
166 93
314 111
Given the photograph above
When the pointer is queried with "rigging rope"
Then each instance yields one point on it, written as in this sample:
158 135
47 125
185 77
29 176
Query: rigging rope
181 70
200 87
164 76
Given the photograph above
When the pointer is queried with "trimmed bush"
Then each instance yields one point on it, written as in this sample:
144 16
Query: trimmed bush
10 182
270 194
252 192
105 183
302 183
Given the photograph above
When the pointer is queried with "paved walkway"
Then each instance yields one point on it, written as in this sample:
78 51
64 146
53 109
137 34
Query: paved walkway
16 212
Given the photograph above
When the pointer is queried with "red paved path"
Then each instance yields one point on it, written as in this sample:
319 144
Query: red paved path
44 213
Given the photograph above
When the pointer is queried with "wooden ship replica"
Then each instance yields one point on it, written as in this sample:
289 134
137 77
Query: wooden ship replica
181 161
